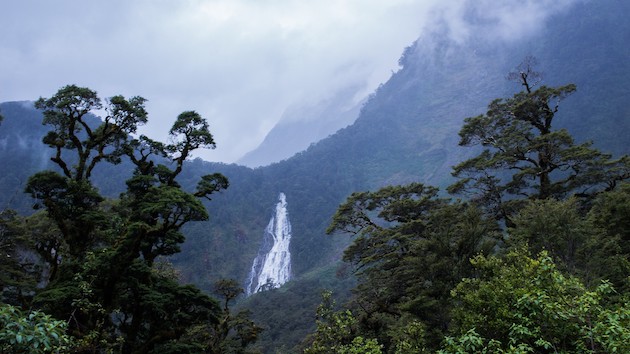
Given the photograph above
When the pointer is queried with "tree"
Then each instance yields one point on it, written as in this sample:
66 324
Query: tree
68 112
105 278
524 157
411 248
232 333
609 251
553 226
610 212
579 244
80 143
337 332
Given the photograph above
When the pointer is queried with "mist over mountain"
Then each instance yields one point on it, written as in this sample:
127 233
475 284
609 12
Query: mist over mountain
408 130
23 153
405 132
301 126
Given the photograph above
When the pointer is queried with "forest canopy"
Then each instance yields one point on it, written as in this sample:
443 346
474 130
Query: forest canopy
98 263
535 259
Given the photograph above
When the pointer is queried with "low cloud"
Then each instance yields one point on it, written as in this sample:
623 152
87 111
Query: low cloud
240 63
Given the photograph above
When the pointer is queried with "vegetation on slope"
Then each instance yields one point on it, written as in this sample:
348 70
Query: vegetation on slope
442 275
393 142
99 264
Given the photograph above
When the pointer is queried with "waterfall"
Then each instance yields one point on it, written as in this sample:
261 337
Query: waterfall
272 265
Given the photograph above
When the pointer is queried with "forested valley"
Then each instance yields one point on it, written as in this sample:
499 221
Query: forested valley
534 259
415 230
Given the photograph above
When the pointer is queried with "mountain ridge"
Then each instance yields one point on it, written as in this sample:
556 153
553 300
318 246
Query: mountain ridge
301 126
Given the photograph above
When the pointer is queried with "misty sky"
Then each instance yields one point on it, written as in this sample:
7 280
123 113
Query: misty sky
239 63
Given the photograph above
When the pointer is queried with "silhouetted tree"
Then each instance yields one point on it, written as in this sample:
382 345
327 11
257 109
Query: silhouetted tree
104 278
524 157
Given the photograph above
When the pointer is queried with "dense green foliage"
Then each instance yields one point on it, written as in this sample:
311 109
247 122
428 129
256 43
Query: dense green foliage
99 260
524 304
411 249
335 332
33 332
442 275
407 132
524 156
19 274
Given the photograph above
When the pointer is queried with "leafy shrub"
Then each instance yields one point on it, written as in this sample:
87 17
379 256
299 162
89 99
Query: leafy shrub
33 332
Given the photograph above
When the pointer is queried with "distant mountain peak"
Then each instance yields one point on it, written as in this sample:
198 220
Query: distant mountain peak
303 125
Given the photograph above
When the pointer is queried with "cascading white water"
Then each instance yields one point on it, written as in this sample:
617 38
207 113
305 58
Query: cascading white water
272 265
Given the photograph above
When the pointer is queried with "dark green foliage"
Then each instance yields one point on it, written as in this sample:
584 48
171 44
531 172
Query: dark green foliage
19 271
554 226
428 283
154 310
610 212
411 249
189 132
337 332
524 304
73 205
406 132
577 243
228 333
24 154
210 184
32 332
234 332
609 251
525 157
67 113
101 256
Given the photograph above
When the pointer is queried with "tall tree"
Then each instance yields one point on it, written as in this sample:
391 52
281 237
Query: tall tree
524 157
68 113
411 248
107 282
80 143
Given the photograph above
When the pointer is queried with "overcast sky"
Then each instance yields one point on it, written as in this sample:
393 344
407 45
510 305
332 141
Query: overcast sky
239 63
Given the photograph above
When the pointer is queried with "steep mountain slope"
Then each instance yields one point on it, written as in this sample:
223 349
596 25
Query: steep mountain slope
22 154
408 132
301 126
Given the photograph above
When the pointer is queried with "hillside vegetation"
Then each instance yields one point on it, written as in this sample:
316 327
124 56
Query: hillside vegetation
404 141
